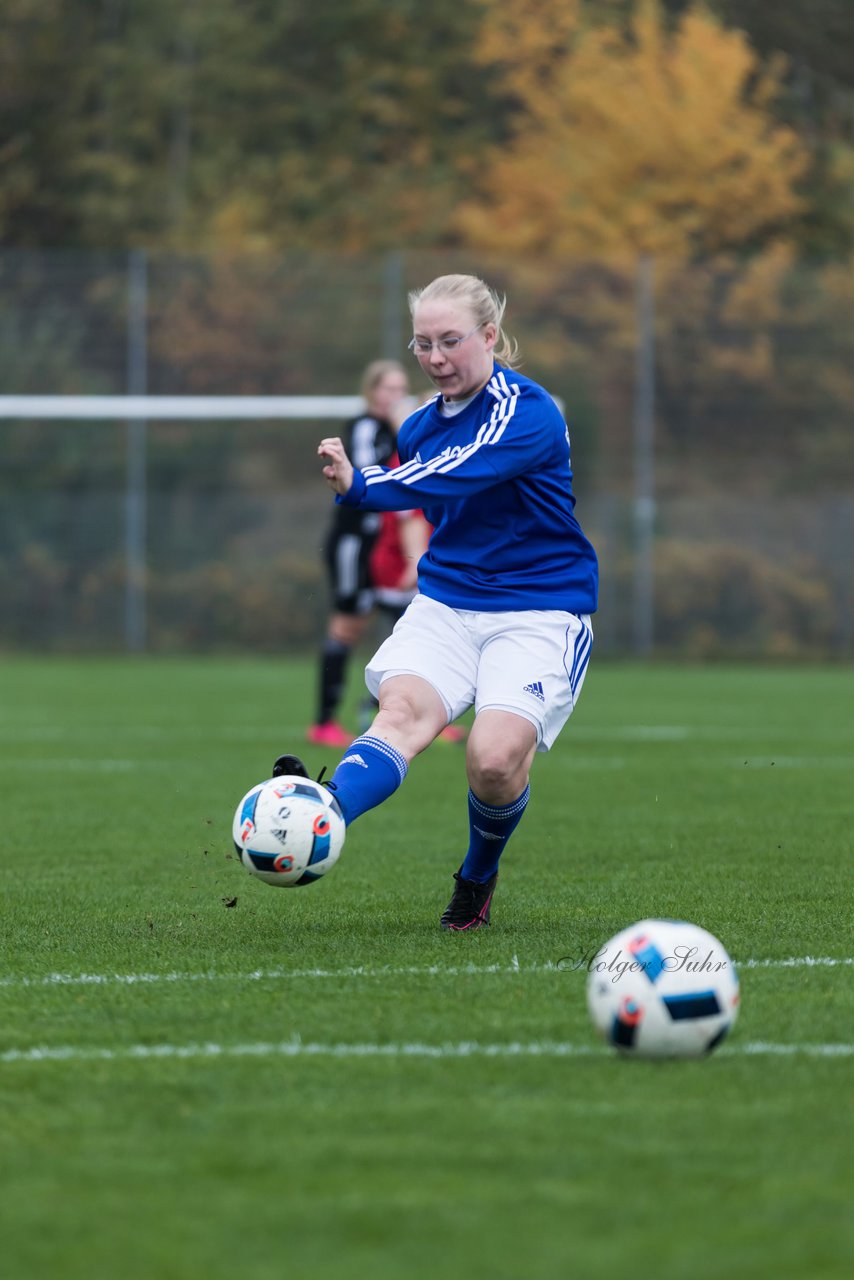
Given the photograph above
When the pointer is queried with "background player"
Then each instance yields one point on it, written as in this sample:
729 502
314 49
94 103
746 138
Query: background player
369 439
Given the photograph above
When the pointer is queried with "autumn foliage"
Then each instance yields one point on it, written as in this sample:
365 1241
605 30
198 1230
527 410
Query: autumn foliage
648 139
541 126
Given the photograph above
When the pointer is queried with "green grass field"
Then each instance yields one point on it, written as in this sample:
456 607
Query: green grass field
321 1083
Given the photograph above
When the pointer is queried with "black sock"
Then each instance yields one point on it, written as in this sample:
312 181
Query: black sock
333 668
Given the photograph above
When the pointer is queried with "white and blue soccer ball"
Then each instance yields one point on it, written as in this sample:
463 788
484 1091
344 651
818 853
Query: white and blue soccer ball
288 831
663 989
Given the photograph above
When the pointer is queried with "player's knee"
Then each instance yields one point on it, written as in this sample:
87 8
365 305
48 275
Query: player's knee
491 768
405 720
498 768
398 716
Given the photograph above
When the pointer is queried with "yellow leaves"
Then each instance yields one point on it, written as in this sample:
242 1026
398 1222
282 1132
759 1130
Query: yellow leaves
527 39
649 140
754 298
234 227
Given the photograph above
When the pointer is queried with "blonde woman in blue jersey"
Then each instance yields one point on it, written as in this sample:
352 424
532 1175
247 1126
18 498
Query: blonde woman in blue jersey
506 586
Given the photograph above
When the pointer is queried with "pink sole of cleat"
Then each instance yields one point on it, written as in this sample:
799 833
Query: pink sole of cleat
452 733
328 735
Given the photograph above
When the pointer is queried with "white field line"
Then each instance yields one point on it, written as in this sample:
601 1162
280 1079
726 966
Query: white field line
365 971
296 1048
797 962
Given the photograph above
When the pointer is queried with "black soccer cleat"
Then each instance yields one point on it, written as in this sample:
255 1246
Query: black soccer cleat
289 767
469 907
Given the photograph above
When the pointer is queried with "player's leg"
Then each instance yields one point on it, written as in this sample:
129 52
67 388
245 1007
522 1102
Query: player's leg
424 676
347 560
387 613
344 632
499 754
531 671
410 715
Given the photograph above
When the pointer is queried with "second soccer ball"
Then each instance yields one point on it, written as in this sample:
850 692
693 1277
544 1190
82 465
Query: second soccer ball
663 989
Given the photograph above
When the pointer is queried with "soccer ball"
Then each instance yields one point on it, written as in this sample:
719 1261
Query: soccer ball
288 831
662 989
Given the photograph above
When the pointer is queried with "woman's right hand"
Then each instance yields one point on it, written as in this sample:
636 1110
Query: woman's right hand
338 471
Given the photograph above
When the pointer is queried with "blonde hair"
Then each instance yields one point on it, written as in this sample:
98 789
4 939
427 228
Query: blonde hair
376 371
486 306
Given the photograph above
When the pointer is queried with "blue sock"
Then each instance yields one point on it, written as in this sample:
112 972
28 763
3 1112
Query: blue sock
489 830
369 773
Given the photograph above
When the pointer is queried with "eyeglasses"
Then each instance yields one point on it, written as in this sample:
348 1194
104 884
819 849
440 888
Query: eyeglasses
421 347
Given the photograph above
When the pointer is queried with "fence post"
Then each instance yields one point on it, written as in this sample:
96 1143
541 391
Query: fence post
392 305
136 432
644 460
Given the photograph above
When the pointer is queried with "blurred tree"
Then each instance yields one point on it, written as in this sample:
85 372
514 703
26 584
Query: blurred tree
236 123
350 124
818 36
359 124
646 140
92 102
816 98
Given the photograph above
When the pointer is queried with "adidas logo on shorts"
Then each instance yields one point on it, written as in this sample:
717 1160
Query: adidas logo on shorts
536 688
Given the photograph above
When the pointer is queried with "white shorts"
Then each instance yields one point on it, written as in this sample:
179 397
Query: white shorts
531 662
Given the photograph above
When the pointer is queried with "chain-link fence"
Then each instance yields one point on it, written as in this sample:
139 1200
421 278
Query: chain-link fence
710 407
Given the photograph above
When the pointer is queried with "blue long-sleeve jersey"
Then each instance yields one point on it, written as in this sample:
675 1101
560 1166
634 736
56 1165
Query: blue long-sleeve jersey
495 482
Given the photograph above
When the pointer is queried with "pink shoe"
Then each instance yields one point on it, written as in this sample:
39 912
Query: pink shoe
453 733
329 734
